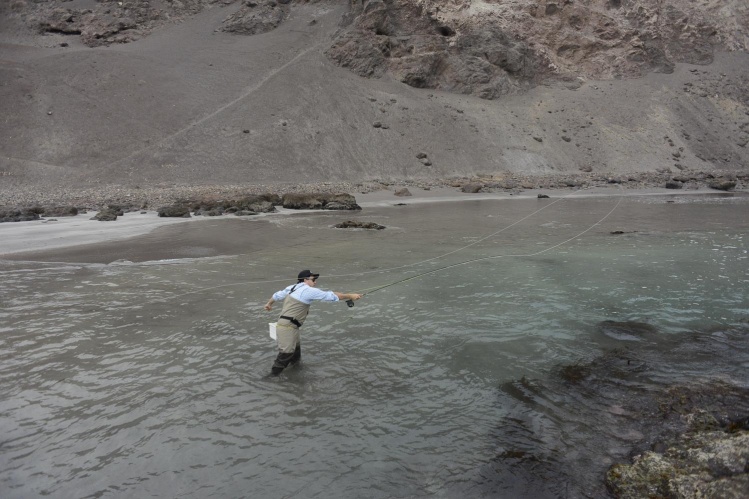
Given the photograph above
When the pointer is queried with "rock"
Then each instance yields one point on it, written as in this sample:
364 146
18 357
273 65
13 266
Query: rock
107 215
674 184
175 211
543 196
722 185
60 211
18 215
262 203
403 191
377 124
697 464
320 201
256 19
354 224
421 155
472 187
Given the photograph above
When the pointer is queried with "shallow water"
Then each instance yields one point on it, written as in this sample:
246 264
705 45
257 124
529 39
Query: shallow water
135 379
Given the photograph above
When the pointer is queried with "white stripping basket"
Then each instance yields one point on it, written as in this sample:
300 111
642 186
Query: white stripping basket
272 328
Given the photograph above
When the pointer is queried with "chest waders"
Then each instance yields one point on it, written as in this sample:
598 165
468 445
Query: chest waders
293 315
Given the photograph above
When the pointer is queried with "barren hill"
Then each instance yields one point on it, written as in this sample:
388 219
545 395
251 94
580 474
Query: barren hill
143 94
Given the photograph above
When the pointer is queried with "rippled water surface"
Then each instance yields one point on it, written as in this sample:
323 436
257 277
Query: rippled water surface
147 379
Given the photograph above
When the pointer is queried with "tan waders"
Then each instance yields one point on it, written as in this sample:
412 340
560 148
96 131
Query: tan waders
293 314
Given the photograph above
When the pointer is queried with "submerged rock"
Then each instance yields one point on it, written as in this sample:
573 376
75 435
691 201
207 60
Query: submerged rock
626 330
697 464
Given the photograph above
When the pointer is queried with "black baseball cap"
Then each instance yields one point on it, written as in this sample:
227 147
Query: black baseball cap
304 274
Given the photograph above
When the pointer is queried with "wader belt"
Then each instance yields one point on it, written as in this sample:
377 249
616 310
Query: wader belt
292 320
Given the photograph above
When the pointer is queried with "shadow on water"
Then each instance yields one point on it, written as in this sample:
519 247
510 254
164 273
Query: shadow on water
563 432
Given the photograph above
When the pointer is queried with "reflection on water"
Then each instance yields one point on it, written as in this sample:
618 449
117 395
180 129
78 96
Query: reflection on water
147 379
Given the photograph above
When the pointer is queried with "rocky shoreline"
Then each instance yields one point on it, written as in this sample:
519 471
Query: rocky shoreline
200 198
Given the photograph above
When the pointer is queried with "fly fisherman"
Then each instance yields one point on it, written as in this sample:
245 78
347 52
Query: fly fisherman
296 301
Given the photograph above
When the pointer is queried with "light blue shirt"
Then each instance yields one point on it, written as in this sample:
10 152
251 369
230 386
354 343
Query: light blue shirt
305 294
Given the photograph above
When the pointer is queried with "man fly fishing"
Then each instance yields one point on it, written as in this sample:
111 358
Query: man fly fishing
296 302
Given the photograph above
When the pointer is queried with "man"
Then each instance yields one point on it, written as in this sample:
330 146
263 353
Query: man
296 301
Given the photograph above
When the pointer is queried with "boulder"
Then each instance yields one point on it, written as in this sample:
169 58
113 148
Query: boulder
403 192
708 463
722 185
18 215
355 224
175 210
107 214
472 187
319 201
60 211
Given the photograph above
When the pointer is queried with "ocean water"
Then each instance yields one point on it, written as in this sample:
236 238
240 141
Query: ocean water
445 380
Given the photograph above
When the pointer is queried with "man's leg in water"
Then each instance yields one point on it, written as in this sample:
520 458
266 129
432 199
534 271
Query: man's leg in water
288 342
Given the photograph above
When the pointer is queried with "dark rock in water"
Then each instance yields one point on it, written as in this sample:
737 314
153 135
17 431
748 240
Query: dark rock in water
677 435
320 201
245 213
175 210
355 224
575 373
18 215
709 463
107 215
543 196
626 330
60 211
674 184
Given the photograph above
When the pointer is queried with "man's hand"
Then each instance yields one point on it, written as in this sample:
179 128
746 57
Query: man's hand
268 306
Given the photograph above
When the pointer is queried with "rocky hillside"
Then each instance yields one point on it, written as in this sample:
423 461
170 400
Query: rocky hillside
162 93
482 47
490 48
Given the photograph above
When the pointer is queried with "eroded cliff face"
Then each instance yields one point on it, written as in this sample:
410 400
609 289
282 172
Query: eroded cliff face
486 48
101 22
490 48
